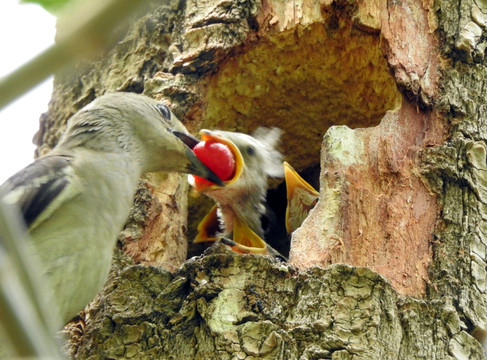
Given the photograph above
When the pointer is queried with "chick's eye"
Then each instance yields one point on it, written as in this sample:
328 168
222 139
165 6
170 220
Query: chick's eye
164 110
250 150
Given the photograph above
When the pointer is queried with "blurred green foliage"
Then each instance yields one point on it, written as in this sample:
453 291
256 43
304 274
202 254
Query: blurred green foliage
53 6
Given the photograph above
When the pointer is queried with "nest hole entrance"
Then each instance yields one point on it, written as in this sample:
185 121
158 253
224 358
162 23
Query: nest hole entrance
302 81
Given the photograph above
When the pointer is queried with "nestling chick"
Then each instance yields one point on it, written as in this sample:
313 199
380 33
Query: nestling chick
241 202
76 199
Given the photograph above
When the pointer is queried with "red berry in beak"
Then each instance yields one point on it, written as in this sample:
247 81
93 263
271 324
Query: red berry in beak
218 158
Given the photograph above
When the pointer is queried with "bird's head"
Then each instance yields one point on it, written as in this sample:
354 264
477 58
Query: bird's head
139 126
244 161
253 159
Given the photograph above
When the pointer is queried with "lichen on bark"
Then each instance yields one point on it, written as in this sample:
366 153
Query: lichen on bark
222 306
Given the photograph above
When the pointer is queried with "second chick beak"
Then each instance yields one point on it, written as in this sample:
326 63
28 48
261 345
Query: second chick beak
301 198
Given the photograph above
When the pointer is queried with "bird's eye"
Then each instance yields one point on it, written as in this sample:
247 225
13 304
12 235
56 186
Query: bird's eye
164 110
250 150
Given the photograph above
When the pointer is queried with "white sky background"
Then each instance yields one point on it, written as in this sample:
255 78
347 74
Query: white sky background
25 30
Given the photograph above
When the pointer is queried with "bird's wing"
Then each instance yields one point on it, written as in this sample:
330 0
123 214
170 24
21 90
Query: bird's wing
40 188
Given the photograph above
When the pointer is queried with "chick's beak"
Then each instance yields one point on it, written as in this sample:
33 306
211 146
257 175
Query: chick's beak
301 198
209 227
246 240
196 167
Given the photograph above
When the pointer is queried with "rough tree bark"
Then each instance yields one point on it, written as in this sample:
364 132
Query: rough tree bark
390 264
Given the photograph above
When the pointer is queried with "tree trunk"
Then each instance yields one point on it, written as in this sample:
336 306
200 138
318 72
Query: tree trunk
390 264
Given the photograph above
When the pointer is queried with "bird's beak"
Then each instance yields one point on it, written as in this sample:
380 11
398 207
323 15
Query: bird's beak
207 135
245 241
209 227
301 198
197 167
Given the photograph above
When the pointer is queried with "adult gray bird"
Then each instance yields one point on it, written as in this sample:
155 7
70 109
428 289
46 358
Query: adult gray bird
240 203
76 199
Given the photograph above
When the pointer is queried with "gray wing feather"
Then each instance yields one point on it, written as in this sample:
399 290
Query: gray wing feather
34 188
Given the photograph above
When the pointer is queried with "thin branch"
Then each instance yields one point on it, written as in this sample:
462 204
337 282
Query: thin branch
87 29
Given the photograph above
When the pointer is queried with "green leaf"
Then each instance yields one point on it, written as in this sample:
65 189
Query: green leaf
53 6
